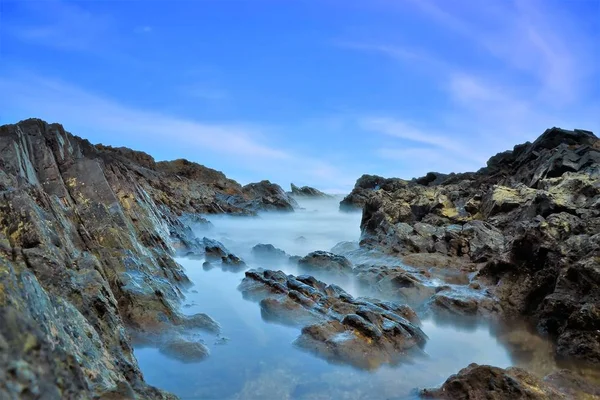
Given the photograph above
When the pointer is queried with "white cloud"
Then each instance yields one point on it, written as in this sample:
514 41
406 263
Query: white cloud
408 131
60 24
533 37
240 145
56 100
533 74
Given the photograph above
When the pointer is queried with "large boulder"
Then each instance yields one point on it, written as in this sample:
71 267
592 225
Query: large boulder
267 196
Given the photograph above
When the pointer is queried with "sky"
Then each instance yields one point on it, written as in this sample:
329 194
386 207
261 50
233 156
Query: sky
312 92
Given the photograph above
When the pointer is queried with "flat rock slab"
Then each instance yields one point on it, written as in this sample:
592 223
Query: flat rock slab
361 332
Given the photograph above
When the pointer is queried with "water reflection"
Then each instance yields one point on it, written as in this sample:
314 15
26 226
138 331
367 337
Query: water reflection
256 359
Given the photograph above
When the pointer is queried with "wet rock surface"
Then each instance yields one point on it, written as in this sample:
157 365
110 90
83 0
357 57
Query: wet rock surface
477 382
334 325
87 239
524 233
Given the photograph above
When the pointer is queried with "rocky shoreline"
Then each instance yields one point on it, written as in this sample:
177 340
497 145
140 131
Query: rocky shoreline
87 239
89 234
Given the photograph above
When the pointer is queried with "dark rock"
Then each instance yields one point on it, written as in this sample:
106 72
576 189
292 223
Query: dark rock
363 188
307 191
335 325
268 196
87 239
216 251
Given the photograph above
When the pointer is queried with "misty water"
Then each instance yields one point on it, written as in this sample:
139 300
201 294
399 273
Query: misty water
255 359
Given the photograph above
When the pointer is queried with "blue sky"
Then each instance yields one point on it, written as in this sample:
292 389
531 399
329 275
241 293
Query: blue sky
312 92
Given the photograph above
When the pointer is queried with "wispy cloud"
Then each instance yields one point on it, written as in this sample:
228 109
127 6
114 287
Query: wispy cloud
243 145
531 36
531 75
61 25
57 100
404 130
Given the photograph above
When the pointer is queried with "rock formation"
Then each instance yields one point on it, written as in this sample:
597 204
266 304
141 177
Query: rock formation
307 191
336 326
527 228
87 236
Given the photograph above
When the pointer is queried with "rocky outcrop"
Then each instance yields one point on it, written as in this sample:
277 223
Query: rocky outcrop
336 326
87 239
477 382
267 196
526 230
364 187
307 191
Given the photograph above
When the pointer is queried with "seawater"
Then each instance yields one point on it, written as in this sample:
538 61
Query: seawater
256 359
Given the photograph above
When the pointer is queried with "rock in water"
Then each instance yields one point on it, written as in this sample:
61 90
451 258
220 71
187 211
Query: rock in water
268 196
325 261
335 325
268 252
307 191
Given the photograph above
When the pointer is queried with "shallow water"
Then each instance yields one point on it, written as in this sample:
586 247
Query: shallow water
258 359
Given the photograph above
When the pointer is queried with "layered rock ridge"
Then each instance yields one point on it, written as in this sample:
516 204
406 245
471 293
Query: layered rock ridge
525 230
87 239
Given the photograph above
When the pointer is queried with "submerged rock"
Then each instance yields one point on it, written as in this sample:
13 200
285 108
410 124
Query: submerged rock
325 261
335 325
477 382
269 252
188 351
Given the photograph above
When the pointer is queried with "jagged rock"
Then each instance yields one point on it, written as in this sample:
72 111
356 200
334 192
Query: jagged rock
527 226
268 196
87 239
477 382
365 185
335 325
324 261
307 191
